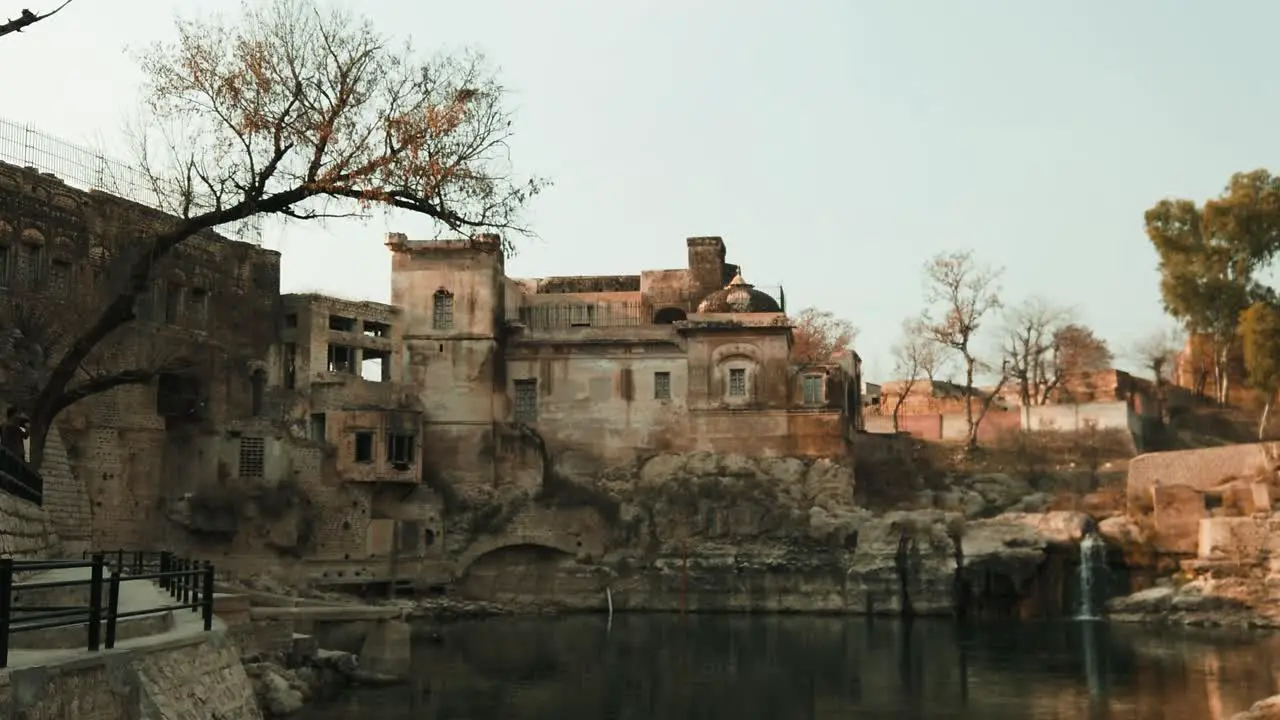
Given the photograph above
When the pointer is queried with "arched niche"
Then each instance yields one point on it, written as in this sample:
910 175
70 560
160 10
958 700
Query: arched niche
669 315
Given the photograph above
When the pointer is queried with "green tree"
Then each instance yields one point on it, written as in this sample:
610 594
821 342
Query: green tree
1210 255
1260 336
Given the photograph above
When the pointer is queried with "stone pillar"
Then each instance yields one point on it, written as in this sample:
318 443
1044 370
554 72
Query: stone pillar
387 649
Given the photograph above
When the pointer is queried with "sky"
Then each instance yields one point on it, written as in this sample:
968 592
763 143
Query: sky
835 145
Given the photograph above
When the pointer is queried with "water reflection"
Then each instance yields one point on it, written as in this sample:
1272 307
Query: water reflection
722 667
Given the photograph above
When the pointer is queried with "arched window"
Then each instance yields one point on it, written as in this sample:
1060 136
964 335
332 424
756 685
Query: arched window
668 315
442 310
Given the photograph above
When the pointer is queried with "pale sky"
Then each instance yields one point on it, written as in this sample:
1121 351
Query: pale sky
835 144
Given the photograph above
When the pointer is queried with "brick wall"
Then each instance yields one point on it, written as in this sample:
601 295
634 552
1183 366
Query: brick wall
198 677
66 497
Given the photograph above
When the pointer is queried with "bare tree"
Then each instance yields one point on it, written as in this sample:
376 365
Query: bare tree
817 335
27 18
963 294
299 112
1157 352
915 357
1030 350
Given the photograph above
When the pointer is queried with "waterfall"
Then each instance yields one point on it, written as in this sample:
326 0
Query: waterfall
1093 555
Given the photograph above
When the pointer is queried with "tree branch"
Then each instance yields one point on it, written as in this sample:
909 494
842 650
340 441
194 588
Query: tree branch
102 383
27 19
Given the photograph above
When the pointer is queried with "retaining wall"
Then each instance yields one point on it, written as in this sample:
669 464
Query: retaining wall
26 532
197 676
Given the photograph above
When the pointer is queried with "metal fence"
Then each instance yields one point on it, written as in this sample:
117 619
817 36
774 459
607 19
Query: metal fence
189 584
23 145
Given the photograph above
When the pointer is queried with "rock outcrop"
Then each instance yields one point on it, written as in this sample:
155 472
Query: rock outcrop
709 532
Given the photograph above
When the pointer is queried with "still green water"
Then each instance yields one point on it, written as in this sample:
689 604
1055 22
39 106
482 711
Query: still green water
668 667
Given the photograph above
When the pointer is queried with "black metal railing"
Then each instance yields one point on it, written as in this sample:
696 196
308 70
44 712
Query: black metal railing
18 478
189 583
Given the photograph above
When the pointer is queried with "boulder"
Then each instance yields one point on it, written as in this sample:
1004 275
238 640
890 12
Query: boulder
1002 546
1059 527
1121 530
998 490
275 689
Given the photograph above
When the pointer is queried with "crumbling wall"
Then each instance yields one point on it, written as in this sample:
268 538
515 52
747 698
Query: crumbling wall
213 301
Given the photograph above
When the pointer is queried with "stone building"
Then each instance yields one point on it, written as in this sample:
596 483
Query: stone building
110 462
674 360
328 437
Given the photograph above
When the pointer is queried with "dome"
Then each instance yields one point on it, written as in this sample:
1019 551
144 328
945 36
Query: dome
739 297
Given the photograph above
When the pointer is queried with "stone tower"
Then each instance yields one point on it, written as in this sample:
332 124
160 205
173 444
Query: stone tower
451 295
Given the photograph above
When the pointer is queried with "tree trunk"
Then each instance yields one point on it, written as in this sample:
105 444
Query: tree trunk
897 406
1266 416
1221 357
969 362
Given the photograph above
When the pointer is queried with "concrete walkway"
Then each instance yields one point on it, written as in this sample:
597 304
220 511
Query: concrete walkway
134 595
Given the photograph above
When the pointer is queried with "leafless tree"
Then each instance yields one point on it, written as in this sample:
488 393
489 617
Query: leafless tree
961 294
27 18
916 357
302 112
1030 350
1157 352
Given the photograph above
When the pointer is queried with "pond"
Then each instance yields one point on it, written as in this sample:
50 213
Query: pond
723 667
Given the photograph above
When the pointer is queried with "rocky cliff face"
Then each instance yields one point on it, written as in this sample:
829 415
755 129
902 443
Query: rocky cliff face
725 532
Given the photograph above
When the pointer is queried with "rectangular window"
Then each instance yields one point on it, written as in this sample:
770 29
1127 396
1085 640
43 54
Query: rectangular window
28 266
812 389
738 382
172 303
400 450
4 266
319 433
376 329
290 362
291 321
145 306
198 306
252 457
526 406
338 323
342 359
59 277
364 447
662 386
442 311
375 365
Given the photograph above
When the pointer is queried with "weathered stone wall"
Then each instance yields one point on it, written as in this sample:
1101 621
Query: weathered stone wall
1201 469
196 678
26 533
213 301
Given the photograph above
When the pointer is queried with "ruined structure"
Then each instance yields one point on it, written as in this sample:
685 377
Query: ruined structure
475 424
664 361
112 458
